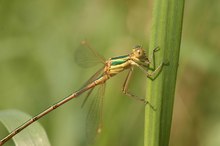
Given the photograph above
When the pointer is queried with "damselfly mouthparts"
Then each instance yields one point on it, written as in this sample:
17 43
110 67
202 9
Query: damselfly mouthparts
111 67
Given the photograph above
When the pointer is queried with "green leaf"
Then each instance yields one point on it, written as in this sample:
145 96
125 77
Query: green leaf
34 135
166 34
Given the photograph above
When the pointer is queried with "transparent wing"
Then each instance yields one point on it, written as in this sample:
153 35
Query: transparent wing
86 56
90 80
94 117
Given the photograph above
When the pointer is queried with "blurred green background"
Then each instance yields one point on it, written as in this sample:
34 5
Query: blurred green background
37 44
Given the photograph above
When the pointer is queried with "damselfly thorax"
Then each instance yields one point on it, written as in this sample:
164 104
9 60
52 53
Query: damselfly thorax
113 66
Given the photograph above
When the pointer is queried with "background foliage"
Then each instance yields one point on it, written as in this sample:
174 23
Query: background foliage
37 43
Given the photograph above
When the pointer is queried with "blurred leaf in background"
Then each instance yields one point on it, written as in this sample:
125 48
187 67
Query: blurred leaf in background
37 42
34 135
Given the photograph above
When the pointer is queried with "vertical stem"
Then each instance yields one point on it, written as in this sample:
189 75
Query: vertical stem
166 33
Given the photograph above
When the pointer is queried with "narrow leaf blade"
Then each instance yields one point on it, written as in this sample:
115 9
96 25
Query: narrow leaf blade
34 135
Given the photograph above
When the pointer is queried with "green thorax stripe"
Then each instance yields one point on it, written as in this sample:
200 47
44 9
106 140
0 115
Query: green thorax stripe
119 60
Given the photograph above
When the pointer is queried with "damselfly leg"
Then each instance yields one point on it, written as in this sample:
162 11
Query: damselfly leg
111 67
126 92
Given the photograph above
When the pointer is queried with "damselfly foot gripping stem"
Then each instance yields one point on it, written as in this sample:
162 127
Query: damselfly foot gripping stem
111 67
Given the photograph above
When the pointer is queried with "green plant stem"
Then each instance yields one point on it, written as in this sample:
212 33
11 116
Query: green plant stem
166 34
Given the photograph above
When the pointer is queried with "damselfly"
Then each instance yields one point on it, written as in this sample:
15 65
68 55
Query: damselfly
111 67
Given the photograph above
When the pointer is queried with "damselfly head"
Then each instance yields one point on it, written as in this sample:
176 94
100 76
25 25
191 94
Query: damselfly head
138 52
